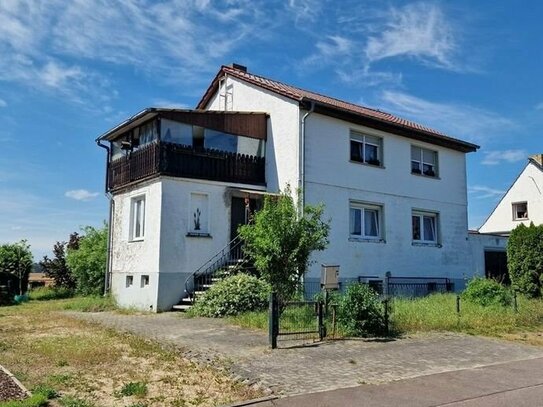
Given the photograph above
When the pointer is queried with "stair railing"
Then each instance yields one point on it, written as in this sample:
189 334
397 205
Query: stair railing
232 253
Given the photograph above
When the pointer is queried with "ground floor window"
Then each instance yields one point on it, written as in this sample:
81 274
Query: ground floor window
365 220
424 227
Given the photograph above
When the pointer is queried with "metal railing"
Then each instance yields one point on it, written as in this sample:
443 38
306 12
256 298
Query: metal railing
227 261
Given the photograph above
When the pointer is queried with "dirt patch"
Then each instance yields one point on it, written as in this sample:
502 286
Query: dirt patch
92 363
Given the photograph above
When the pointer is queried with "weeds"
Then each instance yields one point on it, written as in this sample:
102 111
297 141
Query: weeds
137 389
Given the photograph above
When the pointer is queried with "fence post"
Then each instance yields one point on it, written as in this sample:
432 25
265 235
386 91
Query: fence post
322 332
273 320
386 292
515 303
458 304
387 331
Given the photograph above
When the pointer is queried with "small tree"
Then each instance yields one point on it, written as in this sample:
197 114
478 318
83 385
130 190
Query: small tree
525 259
57 269
280 242
87 260
16 258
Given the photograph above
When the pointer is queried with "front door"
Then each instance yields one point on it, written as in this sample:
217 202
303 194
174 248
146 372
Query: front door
496 266
240 213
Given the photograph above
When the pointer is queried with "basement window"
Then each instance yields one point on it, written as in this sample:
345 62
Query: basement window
144 281
129 281
520 211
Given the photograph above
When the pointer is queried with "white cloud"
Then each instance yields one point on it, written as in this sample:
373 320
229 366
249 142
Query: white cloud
81 194
484 192
457 120
305 10
418 30
170 103
496 157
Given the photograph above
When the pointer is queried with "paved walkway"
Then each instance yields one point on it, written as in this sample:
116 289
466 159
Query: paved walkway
326 366
509 384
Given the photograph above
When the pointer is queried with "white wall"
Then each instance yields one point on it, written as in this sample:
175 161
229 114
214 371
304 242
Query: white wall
283 129
136 258
528 187
334 180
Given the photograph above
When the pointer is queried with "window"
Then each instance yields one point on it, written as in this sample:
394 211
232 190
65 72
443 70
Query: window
425 227
137 226
366 149
175 132
423 161
520 211
144 281
129 281
365 221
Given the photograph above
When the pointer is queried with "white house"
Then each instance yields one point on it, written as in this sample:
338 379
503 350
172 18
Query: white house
522 203
182 181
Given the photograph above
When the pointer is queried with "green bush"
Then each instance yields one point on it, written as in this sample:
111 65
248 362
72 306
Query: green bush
360 312
232 296
138 389
486 292
525 259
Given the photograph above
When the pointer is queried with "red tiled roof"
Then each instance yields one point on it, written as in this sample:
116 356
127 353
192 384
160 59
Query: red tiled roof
301 95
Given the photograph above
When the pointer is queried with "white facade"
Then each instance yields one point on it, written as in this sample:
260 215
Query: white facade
526 192
169 252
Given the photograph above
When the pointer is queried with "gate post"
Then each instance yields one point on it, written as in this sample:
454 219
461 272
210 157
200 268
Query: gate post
273 320
322 328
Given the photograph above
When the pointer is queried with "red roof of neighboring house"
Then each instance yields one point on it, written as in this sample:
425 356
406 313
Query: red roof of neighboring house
327 102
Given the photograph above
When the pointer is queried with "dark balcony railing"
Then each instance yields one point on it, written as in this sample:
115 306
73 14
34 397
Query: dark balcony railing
186 161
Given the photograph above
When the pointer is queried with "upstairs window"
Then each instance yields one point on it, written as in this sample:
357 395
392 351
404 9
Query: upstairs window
365 221
425 226
520 211
137 218
423 161
366 149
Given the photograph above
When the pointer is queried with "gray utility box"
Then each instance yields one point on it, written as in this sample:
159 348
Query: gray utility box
330 277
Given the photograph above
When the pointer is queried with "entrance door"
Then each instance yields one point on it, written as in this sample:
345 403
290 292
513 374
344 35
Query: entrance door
240 214
496 266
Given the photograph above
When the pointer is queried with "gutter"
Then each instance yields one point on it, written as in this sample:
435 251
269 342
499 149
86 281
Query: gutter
302 159
107 277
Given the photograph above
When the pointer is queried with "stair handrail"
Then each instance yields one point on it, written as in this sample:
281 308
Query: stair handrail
216 261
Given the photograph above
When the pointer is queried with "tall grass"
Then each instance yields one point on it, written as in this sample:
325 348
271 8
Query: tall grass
50 293
438 313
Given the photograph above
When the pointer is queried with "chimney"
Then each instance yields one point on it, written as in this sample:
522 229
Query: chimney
538 158
239 67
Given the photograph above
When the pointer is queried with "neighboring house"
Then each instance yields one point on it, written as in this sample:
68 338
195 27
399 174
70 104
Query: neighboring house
182 181
521 204
36 280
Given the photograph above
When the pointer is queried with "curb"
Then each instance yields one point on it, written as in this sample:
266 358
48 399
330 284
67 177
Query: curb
251 402
15 380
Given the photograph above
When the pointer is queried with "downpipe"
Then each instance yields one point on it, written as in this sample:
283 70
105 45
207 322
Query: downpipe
107 277
301 185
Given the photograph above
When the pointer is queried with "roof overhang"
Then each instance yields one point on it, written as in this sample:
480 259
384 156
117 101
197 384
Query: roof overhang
248 124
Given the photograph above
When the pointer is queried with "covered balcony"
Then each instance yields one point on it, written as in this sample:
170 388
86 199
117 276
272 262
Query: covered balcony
210 145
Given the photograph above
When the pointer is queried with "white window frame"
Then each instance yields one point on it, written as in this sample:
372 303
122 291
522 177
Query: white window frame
363 207
422 215
361 138
514 206
421 161
137 213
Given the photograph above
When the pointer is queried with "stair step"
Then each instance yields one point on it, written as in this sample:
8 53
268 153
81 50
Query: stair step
206 285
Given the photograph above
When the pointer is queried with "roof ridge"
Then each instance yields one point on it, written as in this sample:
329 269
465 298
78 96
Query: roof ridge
244 74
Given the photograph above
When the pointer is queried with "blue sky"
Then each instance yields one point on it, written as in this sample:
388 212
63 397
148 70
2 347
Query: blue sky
70 70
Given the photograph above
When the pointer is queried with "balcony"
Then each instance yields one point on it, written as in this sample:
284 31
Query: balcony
160 158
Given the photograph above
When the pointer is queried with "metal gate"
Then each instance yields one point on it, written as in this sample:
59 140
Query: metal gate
295 321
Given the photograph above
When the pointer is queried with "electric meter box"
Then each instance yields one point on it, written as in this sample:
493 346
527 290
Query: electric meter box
330 277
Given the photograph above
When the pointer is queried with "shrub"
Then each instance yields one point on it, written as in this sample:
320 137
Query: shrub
138 389
485 292
525 259
232 296
360 312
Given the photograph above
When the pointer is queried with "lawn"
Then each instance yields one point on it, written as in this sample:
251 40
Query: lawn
438 313
89 365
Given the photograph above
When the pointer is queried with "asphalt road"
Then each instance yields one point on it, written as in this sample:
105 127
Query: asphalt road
516 384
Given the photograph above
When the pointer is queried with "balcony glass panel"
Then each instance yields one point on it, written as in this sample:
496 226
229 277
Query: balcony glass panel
175 132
